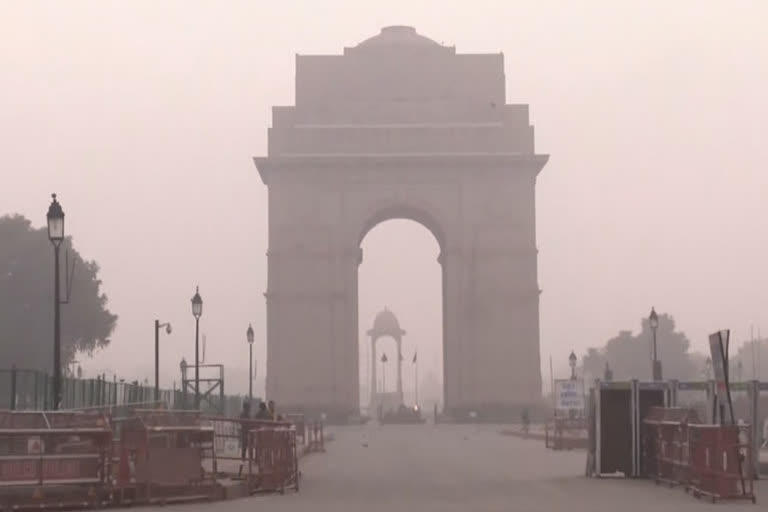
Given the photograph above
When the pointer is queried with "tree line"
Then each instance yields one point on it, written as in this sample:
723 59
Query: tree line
26 299
629 355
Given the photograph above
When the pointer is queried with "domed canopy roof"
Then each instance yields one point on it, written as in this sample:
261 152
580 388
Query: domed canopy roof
386 324
398 35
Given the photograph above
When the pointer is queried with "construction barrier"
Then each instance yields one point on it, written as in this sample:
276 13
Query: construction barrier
566 434
720 465
708 460
665 445
54 459
299 421
231 435
164 456
86 459
273 461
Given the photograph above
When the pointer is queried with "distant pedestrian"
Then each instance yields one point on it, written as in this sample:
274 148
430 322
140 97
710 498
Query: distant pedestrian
272 410
245 415
263 412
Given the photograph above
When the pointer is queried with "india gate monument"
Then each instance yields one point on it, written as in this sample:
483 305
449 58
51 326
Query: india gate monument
401 127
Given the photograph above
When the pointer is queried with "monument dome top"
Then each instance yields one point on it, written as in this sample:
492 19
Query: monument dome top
397 35
386 323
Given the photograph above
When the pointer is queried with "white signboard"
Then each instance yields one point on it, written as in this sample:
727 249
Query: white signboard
569 395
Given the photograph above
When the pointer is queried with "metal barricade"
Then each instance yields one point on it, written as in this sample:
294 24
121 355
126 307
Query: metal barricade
665 444
273 462
54 459
299 421
230 437
165 457
720 462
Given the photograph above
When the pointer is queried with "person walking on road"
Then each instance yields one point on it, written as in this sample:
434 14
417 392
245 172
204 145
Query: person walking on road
245 415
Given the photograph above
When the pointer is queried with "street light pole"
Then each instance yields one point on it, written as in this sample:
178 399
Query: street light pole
653 320
158 325
249 337
383 373
197 311
55 219
56 332
572 362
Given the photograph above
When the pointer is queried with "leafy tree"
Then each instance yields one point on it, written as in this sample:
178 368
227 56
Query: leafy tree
26 299
630 356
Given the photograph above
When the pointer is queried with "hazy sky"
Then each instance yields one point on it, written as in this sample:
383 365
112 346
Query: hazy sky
144 115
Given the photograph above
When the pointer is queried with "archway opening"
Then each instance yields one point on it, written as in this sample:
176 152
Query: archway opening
400 277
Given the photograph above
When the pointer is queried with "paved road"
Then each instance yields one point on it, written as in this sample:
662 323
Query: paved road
457 468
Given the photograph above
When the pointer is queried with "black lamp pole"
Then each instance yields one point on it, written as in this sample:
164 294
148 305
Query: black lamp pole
249 337
572 363
197 311
158 325
55 219
653 320
183 367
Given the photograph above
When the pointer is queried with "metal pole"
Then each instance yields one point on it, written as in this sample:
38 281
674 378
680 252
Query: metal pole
56 332
417 381
13 387
250 373
552 384
157 360
197 363
37 376
654 370
46 396
383 378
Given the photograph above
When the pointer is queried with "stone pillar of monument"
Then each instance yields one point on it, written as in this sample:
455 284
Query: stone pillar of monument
374 375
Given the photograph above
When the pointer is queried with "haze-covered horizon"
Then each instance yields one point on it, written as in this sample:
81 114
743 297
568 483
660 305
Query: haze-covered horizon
144 116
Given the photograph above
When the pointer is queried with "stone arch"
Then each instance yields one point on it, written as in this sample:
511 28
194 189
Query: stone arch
417 213
419 210
402 128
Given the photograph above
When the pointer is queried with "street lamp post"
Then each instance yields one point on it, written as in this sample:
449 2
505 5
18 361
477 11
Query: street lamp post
653 320
183 368
55 219
158 326
249 337
197 311
384 360
572 363
608 373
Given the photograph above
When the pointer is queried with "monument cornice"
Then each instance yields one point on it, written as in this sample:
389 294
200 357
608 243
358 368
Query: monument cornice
470 161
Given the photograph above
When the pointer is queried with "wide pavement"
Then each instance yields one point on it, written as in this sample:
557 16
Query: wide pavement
457 468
